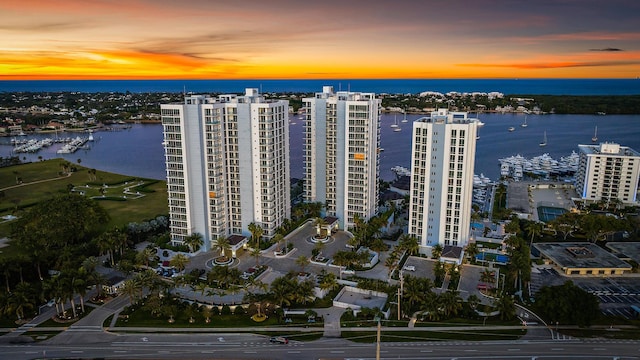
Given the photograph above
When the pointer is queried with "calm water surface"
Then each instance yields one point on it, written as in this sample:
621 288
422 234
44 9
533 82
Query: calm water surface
138 151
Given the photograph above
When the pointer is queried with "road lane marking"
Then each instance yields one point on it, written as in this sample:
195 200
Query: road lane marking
513 349
557 349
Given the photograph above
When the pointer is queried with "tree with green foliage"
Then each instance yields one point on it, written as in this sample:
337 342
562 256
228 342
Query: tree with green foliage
409 243
506 306
179 261
533 228
223 244
567 304
194 241
436 251
256 233
62 222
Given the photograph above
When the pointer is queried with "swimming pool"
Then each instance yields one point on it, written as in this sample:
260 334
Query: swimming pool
548 213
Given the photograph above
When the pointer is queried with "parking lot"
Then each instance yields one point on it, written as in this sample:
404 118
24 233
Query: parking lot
616 294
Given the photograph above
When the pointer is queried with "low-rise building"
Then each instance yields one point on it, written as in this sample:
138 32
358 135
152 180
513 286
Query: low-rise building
582 258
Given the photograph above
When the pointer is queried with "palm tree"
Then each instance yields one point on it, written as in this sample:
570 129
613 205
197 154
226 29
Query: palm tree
223 244
320 224
79 284
206 313
436 251
282 290
106 245
534 228
328 282
451 303
21 299
179 261
302 261
488 276
255 252
194 241
131 288
303 292
409 243
472 251
278 238
5 268
354 242
506 306
145 255
392 261
473 301
256 233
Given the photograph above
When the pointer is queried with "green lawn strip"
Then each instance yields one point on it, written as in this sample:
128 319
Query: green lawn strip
468 322
53 323
151 204
35 171
631 334
416 335
42 335
294 335
368 323
141 318
8 322
107 321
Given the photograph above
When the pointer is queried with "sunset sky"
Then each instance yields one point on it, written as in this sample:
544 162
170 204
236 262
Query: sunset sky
297 39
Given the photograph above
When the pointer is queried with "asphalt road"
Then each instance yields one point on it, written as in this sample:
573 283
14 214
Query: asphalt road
247 346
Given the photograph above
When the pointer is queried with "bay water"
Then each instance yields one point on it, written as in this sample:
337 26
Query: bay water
138 151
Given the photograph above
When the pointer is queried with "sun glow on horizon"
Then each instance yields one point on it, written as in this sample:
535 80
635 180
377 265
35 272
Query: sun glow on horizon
257 40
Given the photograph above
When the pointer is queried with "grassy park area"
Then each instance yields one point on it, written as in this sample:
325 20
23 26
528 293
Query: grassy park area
25 185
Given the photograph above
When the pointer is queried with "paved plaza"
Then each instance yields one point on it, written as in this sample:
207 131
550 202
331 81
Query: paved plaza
526 196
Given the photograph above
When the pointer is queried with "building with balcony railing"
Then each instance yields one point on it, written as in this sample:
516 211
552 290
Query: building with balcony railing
227 160
341 153
608 172
442 161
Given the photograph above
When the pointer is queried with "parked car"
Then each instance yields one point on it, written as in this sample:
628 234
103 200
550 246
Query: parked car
279 340
409 268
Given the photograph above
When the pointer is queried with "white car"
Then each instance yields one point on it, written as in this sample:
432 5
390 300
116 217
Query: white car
409 268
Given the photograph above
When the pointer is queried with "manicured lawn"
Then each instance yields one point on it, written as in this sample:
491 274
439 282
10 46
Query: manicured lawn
152 204
613 333
141 318
467 322
404 336
53 323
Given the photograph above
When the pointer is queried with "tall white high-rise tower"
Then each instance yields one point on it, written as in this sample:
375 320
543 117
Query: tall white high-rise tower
608 172
227 162
341 160
442 161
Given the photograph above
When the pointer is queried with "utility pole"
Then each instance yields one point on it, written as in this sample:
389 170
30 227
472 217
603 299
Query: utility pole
400 292
378 342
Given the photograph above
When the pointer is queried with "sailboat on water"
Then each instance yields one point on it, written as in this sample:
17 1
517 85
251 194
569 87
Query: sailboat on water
524 124
404 120
544 140
395 126
595 135
395 122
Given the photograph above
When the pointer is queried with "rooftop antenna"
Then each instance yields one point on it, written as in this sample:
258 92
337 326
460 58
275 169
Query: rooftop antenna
184 90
